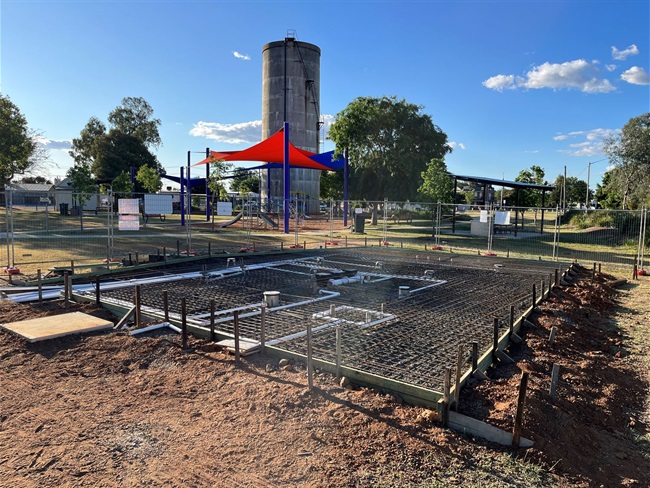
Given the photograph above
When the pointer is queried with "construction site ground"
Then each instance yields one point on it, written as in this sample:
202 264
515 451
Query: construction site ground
110 409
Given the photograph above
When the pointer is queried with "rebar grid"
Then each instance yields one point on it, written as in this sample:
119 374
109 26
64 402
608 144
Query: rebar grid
454 302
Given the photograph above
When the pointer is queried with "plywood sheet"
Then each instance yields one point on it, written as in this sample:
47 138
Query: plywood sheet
45 328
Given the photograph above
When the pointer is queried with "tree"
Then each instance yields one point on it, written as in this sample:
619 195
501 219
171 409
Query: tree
149 178
331 185
607 195
36 179
17 144
125 144
82 184
437 185
390 142
245 181
529 198
122 185
576 192
629 152
134 118
218 170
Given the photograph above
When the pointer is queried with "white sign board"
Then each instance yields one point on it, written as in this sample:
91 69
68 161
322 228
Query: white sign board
224 208
484 216
158 204
502 218
129 222
129 206
358 210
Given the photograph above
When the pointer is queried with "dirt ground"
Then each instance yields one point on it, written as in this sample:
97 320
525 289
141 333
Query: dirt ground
109 409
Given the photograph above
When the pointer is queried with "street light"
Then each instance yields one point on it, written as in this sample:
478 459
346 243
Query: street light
588 176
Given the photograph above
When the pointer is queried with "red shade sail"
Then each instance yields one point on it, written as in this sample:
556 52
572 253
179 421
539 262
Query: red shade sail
270 150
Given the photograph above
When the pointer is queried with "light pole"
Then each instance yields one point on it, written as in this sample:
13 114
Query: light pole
588 177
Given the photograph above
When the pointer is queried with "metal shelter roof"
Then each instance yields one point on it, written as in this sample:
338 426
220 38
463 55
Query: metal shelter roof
510 184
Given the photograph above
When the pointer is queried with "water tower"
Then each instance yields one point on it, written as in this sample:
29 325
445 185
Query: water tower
291 92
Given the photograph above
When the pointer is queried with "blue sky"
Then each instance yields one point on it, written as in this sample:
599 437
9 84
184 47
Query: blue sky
512 83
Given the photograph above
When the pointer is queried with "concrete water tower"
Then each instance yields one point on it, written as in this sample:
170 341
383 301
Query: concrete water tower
291 92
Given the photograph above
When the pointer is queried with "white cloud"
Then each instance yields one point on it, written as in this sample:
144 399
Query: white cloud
578 74
503 82
587 143
238 55
631 50
455 145
636 76
610 67
53 144
328 120
241 133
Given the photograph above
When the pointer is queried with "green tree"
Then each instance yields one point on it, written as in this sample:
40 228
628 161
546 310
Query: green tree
36 179
125 144
83 186
135 118
389 142
629 152
607 194
122 185
17 144
529 198
437 185
218 171
245 181
331 185
149 178
576 192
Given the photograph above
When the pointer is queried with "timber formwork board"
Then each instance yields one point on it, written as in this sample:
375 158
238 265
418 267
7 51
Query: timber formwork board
410 338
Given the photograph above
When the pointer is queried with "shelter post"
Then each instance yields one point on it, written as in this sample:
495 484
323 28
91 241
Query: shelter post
287 178
541 231
453 207
182 202
207 188
345 188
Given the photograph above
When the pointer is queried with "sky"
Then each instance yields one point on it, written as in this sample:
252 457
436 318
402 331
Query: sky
512 83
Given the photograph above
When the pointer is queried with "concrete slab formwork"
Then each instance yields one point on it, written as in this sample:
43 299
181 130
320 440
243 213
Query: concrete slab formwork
401 315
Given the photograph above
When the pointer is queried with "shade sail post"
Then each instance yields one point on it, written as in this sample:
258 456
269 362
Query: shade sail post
182 202
345 188
207 187
287 178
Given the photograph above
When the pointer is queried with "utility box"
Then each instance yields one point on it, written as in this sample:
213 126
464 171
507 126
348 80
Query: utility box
360 222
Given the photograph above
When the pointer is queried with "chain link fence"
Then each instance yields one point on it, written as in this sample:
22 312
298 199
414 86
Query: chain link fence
53 230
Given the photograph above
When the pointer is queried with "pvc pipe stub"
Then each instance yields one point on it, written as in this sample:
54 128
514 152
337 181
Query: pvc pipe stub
272 298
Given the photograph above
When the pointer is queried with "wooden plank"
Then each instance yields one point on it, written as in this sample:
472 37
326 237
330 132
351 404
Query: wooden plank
44 328
478 428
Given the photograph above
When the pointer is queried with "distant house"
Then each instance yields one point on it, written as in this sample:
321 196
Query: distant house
63 194
31 193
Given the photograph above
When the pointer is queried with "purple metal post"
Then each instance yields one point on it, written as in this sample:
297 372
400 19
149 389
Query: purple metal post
207 190
182 197
287 178
345 188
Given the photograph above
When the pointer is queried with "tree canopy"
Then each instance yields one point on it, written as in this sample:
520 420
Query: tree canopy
149 178
17 144
437 185
629 152
390 142
125 143
576 192
245 181
528 197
